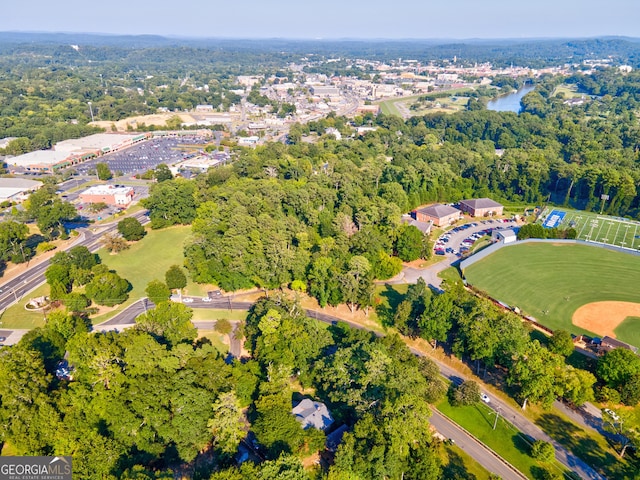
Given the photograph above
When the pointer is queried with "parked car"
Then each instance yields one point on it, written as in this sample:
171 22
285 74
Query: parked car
187 300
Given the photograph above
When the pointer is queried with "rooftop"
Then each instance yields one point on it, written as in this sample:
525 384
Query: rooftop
476 203
39 157
94 142
438 210
20 183
107 190
312 414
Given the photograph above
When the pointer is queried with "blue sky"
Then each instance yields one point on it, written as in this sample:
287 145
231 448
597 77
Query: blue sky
329 18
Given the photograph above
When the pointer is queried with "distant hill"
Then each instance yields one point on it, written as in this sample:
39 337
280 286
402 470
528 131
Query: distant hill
532 52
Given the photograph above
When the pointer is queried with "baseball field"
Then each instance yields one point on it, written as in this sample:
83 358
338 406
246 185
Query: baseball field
579 288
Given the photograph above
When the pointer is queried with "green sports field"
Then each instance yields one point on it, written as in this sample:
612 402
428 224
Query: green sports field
597 228
550 281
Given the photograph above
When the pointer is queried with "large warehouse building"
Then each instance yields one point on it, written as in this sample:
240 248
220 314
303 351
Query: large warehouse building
17 189
74 151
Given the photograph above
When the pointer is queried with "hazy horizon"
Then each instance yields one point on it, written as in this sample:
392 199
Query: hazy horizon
330 20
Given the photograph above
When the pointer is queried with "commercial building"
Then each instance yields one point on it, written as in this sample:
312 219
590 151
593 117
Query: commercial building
42 161
325 91
74 151
114 195
439 214
481 207
100 143
17 189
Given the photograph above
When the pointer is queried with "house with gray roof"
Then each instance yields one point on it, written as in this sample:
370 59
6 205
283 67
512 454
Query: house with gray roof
312 414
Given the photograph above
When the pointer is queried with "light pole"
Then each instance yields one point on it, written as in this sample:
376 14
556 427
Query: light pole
497 414
90 111
604 197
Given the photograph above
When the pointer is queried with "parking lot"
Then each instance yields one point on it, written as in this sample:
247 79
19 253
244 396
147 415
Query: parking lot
144 156
459 240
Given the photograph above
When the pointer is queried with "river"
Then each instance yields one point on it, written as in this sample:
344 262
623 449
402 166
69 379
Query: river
511 101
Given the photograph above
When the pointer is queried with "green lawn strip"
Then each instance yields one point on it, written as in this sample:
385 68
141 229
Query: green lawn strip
629 330
16 316
456 463
585 444
204 314
551 281
505 440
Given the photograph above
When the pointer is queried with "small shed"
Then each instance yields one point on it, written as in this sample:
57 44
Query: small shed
507 235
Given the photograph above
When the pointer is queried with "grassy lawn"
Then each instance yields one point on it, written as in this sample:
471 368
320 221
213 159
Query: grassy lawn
17 317
388 297
220 342
589 446
203 314
505 440
550 281
450 275
146 260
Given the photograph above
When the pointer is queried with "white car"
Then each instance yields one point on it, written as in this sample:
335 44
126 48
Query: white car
187 300
485 398
206 299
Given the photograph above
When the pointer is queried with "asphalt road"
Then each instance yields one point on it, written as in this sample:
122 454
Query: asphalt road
473 448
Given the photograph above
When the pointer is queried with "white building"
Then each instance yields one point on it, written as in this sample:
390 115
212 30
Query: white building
17 189
41 161
504 236
109 194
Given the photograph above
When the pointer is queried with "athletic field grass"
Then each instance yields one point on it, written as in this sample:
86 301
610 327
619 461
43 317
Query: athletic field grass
629 330
550 281
599 228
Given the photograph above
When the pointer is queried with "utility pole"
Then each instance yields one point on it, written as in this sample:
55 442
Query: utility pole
497 414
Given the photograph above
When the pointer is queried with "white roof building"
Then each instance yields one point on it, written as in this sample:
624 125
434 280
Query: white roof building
40 160
505 236
17 189
105 142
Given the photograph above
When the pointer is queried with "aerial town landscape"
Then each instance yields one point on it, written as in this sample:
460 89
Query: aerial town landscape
295 249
